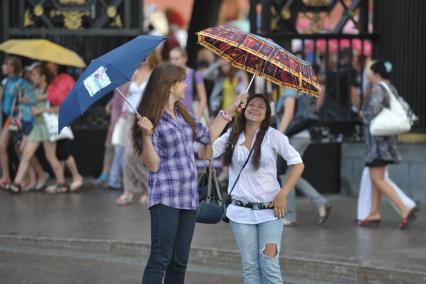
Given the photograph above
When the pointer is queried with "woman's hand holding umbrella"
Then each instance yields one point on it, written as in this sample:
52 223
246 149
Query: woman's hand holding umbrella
145 125
220 122
239 103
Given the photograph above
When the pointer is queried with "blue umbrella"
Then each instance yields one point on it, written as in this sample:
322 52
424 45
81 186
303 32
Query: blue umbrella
104 74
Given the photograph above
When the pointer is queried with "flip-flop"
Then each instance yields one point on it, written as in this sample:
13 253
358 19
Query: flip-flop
124 199
57 188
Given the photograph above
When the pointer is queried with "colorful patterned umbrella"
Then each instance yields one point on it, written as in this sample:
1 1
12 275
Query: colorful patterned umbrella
261 57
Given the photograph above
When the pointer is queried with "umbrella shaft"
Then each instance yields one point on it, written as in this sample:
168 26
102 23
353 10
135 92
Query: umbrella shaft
124 97
251 81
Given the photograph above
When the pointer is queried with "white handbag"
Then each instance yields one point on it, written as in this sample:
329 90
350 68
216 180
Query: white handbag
119 133
391 121
51 121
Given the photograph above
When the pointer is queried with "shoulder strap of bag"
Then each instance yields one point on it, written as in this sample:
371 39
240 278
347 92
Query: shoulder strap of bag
12 109
391 95
15 101
386 87
213 178
242 168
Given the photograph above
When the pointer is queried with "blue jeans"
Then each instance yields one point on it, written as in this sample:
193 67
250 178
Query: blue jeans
171 235
251 239
115 180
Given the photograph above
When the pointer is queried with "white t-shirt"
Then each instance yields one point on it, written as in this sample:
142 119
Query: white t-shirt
256 185
134 96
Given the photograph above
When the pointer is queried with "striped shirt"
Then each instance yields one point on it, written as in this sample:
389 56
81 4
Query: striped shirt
175 182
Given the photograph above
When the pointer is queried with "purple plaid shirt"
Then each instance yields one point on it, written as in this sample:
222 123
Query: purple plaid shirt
175 182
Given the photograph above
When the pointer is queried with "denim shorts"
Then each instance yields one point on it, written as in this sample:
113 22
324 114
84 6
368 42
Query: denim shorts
27 127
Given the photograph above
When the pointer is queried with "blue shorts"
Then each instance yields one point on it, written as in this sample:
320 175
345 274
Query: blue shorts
27 127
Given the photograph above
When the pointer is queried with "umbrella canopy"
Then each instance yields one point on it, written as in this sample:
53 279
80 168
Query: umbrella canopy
261 57
43 50
104 74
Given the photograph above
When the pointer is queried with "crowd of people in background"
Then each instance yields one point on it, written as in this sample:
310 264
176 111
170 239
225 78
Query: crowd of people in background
213 85
28 95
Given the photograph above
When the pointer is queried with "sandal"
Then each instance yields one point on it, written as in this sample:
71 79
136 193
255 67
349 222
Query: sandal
75 186
369 222
57 188
14 188
411 217
324 217
124 199
5 183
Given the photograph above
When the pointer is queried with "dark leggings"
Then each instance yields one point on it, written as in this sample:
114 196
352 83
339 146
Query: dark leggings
63 149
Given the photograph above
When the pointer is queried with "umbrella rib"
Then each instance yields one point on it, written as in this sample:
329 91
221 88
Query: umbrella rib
223 52
237 57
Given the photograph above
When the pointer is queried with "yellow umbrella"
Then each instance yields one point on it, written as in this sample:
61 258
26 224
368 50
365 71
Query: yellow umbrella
43 50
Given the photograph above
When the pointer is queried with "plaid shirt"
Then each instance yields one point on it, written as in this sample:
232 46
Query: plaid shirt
175 182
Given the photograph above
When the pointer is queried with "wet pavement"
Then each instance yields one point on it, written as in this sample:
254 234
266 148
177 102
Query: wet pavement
86 238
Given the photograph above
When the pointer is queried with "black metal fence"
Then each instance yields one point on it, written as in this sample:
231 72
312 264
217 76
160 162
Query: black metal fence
341 74
401 26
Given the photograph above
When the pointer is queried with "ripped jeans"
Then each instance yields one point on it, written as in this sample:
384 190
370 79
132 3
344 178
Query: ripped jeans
252 239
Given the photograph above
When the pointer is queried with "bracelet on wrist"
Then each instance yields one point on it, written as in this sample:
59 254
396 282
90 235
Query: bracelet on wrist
225 115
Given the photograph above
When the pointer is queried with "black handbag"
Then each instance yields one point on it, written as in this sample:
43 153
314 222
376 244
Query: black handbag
211 209
305 115
15 130
15 125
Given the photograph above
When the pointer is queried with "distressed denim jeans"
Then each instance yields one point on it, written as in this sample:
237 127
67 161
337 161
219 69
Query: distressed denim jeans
251 240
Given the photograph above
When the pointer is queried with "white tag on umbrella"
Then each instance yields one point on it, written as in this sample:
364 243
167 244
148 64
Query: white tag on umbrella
97 81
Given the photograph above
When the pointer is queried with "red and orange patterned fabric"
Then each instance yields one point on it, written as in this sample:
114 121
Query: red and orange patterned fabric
261 57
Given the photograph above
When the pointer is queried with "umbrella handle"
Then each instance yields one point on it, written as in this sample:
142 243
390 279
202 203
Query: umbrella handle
122 95
239 109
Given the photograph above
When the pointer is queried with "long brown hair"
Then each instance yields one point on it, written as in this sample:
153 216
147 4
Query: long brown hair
42 70
239 126
16 64
155 98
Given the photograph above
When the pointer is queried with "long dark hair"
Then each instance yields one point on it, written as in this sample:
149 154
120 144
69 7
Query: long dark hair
155 98
41 69
239 126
